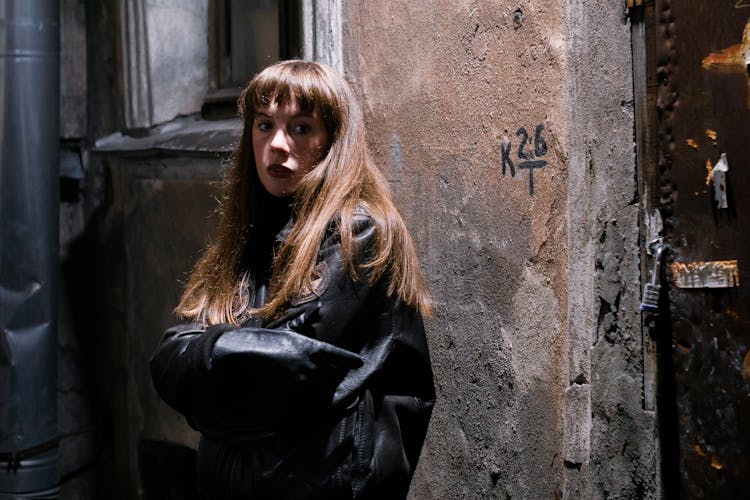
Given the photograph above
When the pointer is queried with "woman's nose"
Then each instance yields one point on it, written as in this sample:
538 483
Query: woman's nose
280 140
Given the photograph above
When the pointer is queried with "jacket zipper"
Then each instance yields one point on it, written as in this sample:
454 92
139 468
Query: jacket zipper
358 445
339 470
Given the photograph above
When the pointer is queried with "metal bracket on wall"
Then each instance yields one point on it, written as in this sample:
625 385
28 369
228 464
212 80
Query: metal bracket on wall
650 306
652 291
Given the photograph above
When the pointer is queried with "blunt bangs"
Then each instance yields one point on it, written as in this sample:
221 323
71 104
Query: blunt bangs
301 81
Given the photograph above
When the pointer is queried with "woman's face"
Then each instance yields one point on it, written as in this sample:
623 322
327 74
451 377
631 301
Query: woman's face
287 143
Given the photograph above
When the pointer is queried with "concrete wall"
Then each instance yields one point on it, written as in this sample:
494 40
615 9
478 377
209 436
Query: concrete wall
611 448
123 271
177 56
73 88
75 417
158 221
536 343
164 54
446 86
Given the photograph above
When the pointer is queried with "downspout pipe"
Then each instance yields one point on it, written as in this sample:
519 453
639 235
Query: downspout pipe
29 206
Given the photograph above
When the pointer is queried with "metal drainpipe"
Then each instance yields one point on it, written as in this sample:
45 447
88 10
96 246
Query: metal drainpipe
29 200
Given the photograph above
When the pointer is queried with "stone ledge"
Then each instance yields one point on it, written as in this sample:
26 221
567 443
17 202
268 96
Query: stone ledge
186 134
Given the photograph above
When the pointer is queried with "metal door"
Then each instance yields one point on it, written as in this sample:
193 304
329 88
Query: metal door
695 174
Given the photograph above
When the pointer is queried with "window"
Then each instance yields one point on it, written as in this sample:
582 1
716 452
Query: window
245 36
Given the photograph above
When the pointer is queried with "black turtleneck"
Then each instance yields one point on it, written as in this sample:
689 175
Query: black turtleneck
272 215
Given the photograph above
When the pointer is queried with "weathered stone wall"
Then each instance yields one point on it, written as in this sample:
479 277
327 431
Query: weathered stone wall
536 343
163 58
445 87
124 274
177 34
75 419
73 88
611 447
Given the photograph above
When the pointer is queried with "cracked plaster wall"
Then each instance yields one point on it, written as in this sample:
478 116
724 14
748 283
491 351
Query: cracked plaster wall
536 341
440 102
164 54
613 452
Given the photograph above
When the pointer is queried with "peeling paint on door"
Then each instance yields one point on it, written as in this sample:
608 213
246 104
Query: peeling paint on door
733 59
719 179
716 274
702 94
711 134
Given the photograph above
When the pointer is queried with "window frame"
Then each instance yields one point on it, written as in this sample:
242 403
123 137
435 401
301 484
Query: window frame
221 83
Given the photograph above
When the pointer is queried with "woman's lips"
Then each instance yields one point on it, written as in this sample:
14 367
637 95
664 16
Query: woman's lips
279 172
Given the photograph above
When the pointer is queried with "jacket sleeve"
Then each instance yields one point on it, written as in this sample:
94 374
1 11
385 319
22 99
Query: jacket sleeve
244 383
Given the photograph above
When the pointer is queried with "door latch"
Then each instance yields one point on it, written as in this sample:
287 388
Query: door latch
652 291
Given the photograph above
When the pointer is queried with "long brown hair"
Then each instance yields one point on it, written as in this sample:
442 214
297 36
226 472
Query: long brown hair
343 182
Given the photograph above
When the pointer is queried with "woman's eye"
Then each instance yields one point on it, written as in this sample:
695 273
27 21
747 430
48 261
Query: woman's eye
264 126
301 128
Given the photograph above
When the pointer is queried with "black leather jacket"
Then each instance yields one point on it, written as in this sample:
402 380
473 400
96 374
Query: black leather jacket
331 401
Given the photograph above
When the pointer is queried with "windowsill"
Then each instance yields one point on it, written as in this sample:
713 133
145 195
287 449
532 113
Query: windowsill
185 134
223 95
221 104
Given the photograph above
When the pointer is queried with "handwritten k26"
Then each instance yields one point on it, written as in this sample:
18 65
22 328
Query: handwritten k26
528 158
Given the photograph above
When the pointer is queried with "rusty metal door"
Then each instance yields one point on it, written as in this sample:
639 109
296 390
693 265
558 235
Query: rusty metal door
695 182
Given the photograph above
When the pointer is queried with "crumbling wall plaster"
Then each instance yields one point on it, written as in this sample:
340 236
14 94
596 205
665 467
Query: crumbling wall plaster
610 441
177 57
450 90
164 54
536 343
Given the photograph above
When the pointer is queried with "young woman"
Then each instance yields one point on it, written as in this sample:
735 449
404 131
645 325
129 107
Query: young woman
303 361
